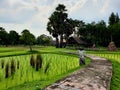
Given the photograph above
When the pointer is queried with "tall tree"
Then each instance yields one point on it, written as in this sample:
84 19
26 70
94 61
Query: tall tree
54 33
56 24
112 19
87 33
27 38
102 39
3 37
117 18
69 28
44 39
13 37
115 33
78 25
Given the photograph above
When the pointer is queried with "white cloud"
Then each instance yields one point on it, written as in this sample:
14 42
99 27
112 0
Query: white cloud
77 6
95 1
105 6
20 27
1 11
34 14
12 26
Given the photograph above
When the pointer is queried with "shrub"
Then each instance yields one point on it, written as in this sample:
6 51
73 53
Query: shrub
32 61
39 59
38 62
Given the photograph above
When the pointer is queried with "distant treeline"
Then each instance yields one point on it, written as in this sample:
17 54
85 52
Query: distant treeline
100 33
26 38
61 27
93 33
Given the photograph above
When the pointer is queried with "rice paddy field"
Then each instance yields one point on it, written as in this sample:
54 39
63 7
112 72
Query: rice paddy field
18 72
55 65
114 57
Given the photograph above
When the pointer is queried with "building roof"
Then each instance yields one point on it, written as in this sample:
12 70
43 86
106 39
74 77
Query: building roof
76 40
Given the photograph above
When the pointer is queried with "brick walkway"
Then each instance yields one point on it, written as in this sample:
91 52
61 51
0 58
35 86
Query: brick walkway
96 76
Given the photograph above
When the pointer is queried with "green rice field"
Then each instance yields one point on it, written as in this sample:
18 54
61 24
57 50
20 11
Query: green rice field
55 65
60 65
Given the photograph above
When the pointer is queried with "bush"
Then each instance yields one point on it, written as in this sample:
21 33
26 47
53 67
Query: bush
32 61
39 59
38 62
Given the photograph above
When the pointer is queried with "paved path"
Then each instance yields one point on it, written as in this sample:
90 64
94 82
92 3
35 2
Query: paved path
96 76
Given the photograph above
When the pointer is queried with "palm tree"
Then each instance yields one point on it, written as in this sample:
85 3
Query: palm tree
56 23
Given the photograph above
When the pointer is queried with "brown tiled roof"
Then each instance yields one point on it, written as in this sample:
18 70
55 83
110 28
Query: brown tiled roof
78 40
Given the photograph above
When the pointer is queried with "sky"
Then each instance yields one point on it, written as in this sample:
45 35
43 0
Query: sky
33 14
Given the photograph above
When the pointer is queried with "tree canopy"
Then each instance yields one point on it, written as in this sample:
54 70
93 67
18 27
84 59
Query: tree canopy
44 39
61 27
28 38
113 18
14 37
3 37
56 23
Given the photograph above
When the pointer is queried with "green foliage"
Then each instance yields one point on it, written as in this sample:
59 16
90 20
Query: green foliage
27 38
4 38
114 32
13 37
44 40
38 62
114 28
117 18
113 18
56 24
32 61
56 20
99 33
39 58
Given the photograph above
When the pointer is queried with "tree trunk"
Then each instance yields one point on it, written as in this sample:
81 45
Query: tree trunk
61 41
66 41
30 47
57 42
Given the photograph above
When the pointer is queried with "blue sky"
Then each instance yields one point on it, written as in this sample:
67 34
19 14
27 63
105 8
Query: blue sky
33 14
